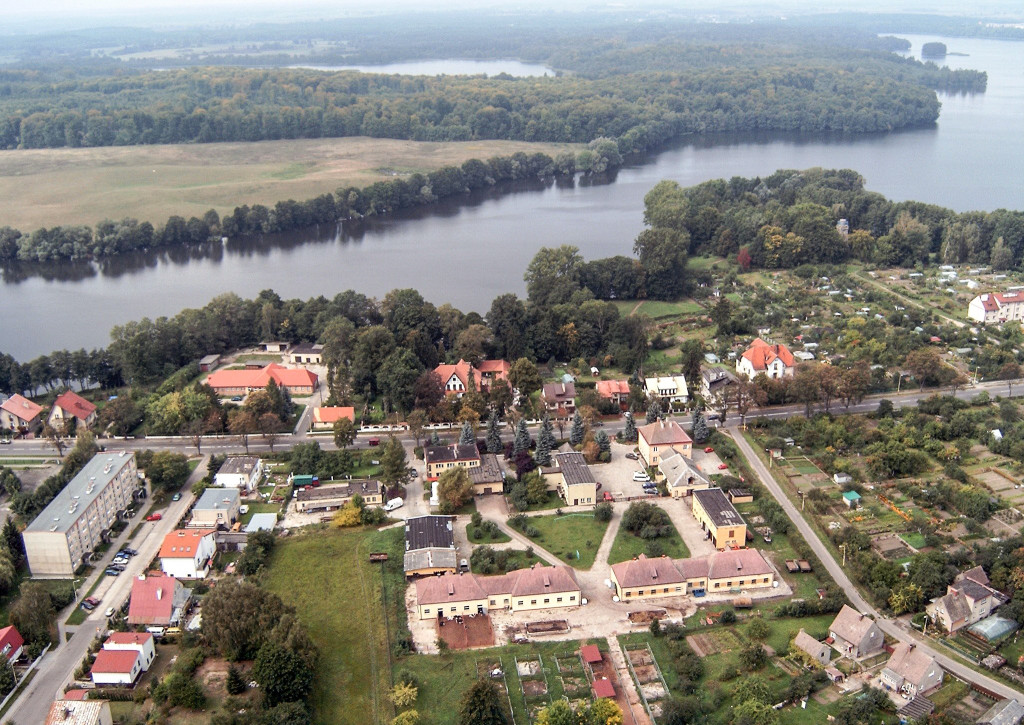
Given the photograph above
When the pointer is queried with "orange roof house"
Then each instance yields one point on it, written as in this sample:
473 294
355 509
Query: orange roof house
297 381
455 378
327 416
20 414
70 404
773 360
614 390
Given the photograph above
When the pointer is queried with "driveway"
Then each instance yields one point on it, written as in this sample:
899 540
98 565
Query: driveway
681 512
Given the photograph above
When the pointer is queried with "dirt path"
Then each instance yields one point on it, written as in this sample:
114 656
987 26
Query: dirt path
636 705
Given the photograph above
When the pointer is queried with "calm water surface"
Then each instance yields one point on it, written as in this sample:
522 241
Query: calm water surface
467 253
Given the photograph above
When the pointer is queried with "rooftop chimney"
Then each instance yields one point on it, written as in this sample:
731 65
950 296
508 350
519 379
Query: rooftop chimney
160 593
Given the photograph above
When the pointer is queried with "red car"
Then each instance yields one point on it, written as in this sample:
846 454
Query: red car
709 449
606 496
723 466
154 517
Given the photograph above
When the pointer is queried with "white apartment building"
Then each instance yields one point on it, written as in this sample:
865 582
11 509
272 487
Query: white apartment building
69 529
997 307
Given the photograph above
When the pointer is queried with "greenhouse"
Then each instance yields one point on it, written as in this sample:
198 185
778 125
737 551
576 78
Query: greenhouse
993 628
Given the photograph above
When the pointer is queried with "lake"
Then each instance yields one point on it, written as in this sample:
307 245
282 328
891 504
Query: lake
446 67
468 252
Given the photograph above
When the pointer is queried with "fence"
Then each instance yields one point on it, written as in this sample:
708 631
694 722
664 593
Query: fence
626 649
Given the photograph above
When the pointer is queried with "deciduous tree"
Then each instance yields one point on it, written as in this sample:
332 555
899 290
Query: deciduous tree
344 432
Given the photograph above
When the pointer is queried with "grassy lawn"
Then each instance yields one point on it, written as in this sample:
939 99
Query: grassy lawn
568 535
553 501
338 594
627 545
914 538
517 559
500 538
259 508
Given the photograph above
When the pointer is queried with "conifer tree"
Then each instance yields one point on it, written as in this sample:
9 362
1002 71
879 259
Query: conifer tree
466 437
577 431
629 433
493 434
522 439
545 443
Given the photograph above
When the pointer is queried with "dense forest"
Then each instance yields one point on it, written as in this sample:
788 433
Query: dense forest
789 218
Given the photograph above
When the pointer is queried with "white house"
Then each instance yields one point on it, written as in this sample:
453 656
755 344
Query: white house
774 361
671 389
188 553
911 670
141 642
116 667
242 472
996 307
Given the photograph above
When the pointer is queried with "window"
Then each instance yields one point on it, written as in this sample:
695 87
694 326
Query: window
679 589
519 603
533 601
453 609
665 590
629 594
547 601
572 598
492 602
640 593
766 580
427 610
728 584
465 608
732 533
559 599
716 585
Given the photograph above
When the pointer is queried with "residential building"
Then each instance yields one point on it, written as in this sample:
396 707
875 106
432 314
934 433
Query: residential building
11 643
141 642
20 415
671 389
297 381
457 378
968 600
716 386
911 670
324 418
208 363
774 361
854 634
216 507
442 458
997 307
79 712
487 477
616 391
817 651
572 479
114 667
333 496
67 531
430 545
559 399
242 472
539 587
719 518
274 346
723 571
681 475
261 522
69 405
1004 712
660 438
188 553
306 353
158 599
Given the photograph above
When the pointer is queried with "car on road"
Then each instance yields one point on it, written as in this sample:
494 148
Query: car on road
154 517
709 449
413 472
723 466
641 476
632 456
130 552
5 441
109 613
176 497
236 398
120 560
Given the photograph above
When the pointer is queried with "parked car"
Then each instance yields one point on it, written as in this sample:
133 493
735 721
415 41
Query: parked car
641 476
413 472
154 517
632 456
130 552
243 509
723 466
86 606
92 600
109 613
176 497
607 496
236 398
709 449
464 565
395 503
112 572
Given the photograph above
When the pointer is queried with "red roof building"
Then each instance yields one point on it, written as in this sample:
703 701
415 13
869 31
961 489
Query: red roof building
11 643
590 654
997 307
326 417
21 415
456 378
772 360
70 404
604 688
157 599
116 667
297 381
614 390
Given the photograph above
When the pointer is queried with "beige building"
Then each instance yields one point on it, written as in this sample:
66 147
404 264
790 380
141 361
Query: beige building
67 531
79 712
430 545
660 438
855 635
488 477
216 507
968 600
442 458
817 651
334 496
69 405
523 590
911 670
719 518
721 572
572 479
671 389
681 475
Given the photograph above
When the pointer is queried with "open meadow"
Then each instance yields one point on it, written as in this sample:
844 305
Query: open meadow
48 187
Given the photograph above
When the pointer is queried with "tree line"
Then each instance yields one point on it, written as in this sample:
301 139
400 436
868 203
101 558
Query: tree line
789 219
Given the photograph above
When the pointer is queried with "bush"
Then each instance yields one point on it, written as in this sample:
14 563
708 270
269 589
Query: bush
603 511
235 684
728 617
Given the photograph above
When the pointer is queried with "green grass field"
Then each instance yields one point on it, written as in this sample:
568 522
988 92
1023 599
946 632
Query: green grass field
46 187
914 538
657 309
518 559
259 508
337 592
627 545
501 537
565 536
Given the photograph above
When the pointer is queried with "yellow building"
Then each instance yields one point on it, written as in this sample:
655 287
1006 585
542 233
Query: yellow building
572 479
442 458
430 545
539 587
488 477
719 518
660 439
722 572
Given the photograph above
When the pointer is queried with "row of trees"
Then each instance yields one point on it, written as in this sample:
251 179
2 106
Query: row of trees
789 218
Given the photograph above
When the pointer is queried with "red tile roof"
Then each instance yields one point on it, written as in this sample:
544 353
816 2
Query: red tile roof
10 636
74 404
664 433
284 377
590 653
498 368
448 588
611 388
115 661
152 600
761 354
76 695
461 371
604 688
183 543
333 414
138 638
22 407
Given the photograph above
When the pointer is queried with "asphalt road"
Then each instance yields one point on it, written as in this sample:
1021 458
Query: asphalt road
58 667
889 626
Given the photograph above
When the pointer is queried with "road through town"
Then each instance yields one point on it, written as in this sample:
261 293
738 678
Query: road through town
889 626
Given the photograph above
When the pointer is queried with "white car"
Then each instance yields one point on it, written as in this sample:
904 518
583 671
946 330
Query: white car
641 476
395 503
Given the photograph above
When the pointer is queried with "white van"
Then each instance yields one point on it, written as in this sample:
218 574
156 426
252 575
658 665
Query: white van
395 503
156 631
641 476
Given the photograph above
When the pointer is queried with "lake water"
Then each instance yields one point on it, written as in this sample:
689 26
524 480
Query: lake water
468 252
446 67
